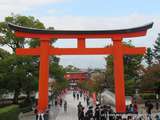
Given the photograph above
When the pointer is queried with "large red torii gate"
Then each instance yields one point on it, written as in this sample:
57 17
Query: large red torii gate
45 50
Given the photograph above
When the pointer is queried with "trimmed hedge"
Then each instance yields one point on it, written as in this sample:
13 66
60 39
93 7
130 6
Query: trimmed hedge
9 112
148 96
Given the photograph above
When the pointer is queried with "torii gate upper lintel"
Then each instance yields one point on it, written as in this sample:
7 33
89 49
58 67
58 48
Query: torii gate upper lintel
45 50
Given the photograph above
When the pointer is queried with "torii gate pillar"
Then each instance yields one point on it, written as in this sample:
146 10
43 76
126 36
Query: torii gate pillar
43 79
119 75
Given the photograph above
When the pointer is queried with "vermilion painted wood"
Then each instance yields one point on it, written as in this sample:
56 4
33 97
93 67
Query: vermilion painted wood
28 51
81 43
119 76
80 51
61 36
134 51
117 50
43 76
77 76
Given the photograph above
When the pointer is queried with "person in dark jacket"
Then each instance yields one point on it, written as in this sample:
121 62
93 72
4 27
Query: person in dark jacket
157 105
87 101
65 106
103 117
97 112
79 107
149 110
55 102
77 96
60 102
81 114
89 113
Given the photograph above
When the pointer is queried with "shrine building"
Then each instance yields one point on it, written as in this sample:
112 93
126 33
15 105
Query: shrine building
75 77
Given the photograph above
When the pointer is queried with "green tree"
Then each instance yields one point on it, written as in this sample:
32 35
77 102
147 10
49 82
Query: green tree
18 69
149 57
7 36
57 71
71 68
98 78
3 55
157 49
109 72
151 77
18 75
19 72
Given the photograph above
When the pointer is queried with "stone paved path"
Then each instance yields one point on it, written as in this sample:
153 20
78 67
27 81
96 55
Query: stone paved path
71 113
58 113
27 116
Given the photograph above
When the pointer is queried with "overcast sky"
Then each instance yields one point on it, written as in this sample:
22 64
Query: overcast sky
89 14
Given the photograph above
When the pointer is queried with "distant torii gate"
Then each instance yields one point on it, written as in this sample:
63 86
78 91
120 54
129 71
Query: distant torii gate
45 50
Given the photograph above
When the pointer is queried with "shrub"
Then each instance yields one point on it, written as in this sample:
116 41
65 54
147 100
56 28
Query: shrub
148 96
26 106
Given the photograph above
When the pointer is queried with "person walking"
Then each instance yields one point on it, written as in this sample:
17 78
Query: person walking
77 96
135 108
81 93
87 101
61 102
79 106
74 95
97 112
102 117
65 106
55 102
157 105
84 98
131 109
149 110
36 112
89 113
81 114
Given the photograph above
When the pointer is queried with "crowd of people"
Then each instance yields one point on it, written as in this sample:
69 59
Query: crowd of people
105 112
77 95
98 113
62 103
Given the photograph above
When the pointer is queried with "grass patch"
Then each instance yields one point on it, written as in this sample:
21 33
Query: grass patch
6 109
9 112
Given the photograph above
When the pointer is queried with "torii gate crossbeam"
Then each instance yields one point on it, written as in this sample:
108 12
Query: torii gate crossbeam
45 50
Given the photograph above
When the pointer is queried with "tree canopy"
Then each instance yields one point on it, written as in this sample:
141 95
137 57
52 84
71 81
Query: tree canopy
20 73
157 49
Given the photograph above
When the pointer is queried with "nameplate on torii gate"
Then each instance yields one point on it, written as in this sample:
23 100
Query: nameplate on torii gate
45 50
